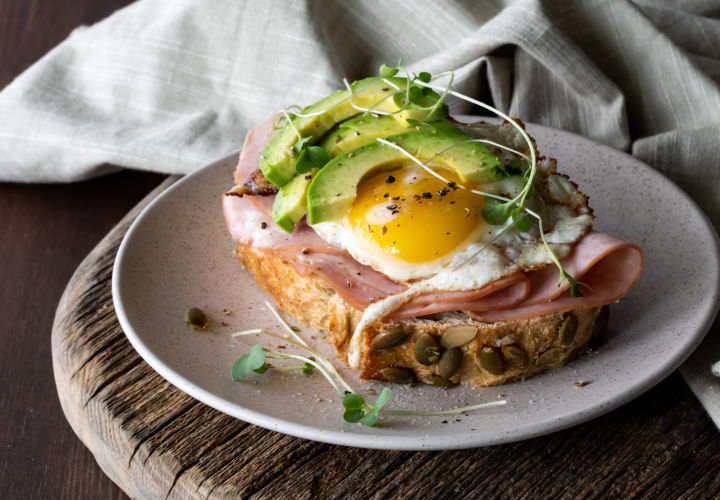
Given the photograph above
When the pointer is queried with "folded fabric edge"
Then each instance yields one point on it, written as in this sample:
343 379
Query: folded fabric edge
701 371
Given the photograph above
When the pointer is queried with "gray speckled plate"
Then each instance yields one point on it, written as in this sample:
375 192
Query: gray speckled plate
178 254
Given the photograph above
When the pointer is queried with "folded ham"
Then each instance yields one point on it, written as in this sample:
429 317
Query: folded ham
609 266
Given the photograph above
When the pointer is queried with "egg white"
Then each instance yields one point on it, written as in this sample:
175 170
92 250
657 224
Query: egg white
341 233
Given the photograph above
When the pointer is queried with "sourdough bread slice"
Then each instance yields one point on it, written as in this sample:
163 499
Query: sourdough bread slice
490 354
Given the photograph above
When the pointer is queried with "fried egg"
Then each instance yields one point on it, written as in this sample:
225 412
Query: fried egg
410 226
431 235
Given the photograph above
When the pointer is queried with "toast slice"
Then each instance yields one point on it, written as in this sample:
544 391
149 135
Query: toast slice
453 348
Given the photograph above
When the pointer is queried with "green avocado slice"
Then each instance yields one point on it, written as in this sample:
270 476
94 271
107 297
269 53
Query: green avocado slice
333 190
291 203
278 159
358 131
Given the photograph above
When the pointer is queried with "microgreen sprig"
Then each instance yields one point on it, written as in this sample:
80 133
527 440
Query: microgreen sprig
309 156
299 341
356 408
331 375
256 361
453 411
389 71
574 284
403 98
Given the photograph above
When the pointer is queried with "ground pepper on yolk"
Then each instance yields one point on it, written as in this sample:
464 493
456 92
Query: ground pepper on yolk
416 216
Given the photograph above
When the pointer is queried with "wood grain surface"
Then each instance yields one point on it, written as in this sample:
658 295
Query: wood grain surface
662 445
157 442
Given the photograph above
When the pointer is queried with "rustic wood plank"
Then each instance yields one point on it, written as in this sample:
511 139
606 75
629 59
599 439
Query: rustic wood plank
157 442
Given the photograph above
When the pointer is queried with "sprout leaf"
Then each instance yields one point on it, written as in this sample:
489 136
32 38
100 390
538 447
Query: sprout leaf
302 143
353 401
307 368
521 219
496 212
311 157
388 71
252 362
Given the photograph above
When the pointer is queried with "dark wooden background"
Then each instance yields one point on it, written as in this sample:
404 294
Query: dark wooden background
45 231
661 445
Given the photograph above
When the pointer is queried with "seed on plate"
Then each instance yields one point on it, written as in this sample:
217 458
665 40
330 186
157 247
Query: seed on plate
397 375
489 358
514 356
427 350
449 363
601 322
568 329
456 336
196 318
438 381
390 338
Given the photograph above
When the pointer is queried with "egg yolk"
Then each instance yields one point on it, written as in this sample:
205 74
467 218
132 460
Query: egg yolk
413 215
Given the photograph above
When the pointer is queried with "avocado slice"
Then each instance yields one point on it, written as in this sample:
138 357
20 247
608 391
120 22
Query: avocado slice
291 202
334 188
361 130
278 159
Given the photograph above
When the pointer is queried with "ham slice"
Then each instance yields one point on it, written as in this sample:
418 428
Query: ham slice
359 285
255 142
249 225
608 265
500 294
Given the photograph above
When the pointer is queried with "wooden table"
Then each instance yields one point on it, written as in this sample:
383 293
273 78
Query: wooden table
662 444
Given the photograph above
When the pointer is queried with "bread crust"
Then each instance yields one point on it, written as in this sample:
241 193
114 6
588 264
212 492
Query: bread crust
512 349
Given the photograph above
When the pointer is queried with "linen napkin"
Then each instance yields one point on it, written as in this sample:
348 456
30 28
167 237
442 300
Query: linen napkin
172 86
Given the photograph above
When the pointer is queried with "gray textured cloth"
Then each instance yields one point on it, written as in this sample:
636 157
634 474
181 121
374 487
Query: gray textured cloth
171 86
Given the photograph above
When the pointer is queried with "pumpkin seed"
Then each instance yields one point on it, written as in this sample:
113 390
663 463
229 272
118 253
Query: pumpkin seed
490 359
438 381
550 358
392 337
449 363
515 356
455 336
197 319
568 329
601 322
427 350
397 375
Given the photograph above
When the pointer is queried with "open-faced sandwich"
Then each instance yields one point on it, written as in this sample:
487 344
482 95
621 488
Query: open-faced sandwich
431 250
